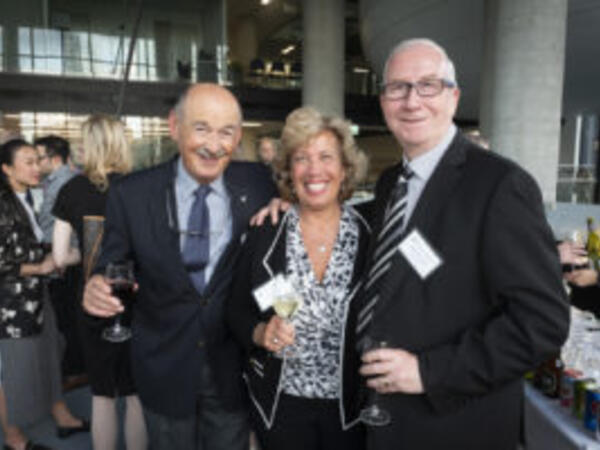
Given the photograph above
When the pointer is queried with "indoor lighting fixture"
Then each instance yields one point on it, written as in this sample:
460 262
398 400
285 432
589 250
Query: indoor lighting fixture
265 2
290 48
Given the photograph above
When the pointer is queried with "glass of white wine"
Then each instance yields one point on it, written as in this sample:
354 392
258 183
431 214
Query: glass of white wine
285 306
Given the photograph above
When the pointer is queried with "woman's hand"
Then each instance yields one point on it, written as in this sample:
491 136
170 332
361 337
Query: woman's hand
572 253
582 278
47 266
274 335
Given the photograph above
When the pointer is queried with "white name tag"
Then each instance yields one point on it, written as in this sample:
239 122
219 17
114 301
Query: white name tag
417 251
267 292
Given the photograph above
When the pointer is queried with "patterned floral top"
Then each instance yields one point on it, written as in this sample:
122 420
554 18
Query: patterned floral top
21 311
313 369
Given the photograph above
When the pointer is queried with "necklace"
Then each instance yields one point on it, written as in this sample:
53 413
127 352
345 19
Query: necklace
319 236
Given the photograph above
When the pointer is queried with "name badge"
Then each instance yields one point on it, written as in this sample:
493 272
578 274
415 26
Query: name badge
420 255
267 292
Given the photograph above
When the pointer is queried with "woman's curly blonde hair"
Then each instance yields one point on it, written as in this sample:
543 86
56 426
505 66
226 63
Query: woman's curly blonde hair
301 126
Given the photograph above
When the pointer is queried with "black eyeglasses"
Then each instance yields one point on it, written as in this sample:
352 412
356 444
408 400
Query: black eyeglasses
429 87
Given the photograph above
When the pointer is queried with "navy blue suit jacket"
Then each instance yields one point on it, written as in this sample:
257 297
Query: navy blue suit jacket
175 330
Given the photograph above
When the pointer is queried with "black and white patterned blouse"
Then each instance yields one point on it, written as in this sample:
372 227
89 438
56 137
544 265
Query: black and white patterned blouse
21 311
313 370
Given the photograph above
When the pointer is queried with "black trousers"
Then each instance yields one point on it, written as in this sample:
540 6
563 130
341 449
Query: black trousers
307 424
66 301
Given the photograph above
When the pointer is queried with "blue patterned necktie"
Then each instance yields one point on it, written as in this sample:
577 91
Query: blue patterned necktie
387 243
196 246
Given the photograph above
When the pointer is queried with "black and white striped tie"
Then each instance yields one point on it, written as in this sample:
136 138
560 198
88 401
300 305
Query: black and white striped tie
387 242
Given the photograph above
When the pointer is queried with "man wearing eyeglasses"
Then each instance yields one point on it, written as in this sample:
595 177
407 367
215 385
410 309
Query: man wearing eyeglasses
464 282
182 224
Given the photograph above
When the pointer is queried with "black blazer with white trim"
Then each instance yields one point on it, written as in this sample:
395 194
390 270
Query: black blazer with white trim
263 257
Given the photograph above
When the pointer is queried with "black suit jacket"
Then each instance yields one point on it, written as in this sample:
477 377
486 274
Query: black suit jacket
494 309
175 330
263 257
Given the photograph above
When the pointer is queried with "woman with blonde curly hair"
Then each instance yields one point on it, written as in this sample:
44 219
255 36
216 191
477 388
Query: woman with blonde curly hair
80 208
294 367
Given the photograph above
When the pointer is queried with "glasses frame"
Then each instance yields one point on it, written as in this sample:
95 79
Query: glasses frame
417 86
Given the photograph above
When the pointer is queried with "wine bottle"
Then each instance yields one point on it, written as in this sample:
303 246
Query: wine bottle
593 244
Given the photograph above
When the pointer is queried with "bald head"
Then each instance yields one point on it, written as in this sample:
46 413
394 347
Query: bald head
207 126
200 91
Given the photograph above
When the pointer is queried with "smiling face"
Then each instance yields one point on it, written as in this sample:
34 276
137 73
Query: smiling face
317 172
24 172
418 123
207 129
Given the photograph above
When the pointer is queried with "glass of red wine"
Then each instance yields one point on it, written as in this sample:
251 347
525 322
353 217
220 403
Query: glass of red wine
374 415
120 277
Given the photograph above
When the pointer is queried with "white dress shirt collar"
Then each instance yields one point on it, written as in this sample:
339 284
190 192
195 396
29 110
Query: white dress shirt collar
424 164
188 184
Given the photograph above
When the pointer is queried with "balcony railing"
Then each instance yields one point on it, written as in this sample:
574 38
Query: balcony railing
46 51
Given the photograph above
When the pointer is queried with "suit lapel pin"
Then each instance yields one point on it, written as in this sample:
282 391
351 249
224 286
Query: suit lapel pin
243 198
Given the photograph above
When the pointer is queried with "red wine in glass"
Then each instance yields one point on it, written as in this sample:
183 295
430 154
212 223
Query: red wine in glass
120 277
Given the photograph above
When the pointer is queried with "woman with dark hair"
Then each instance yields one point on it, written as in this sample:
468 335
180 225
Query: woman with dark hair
29 342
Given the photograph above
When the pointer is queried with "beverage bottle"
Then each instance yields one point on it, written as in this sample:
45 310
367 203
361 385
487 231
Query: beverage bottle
592 392
548 376
592 245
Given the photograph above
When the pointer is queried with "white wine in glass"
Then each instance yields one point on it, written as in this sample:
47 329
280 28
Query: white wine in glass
286 305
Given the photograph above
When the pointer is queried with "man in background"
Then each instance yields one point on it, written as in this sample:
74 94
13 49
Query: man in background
54 155
266 150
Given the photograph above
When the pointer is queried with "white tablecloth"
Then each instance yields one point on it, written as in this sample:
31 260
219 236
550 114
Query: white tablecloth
550 427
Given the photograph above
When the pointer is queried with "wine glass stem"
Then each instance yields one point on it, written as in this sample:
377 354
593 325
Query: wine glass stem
117 323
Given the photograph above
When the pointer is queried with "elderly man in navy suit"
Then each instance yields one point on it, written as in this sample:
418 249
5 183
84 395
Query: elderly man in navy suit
181 223
464 283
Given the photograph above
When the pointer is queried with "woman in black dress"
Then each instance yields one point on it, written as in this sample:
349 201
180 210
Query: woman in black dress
29 340
80 208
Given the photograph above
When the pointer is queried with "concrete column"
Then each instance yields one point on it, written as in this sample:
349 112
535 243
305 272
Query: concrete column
521 93
323 55
244 42
589 137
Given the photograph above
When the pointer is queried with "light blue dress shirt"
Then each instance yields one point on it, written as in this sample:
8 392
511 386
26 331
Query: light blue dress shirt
423 166
219 210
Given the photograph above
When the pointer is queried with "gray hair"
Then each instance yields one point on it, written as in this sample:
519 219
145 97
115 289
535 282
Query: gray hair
448 65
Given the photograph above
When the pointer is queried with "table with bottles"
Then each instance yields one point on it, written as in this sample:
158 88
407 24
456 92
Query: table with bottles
563 394
549 427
